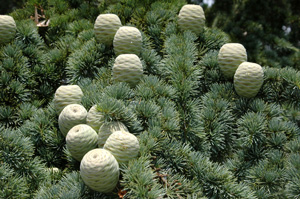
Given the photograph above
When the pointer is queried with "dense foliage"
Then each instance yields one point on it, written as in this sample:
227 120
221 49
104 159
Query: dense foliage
268 30
198 138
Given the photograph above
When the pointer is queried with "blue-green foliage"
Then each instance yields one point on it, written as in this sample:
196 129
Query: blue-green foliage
198 138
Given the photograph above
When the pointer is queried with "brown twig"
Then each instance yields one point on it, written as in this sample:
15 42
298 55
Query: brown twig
36 15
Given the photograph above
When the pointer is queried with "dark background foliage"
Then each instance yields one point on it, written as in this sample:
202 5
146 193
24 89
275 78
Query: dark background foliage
198 138
269 30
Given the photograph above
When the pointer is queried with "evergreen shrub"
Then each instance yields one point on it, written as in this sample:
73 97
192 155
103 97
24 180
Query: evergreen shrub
191 134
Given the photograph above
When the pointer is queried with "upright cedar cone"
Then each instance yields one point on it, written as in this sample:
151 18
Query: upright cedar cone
127 68
107 129
94 118
248 79
8 29
191 17
230 56
65 95
123 145
70 116
99 170
128 40
106 26
81 139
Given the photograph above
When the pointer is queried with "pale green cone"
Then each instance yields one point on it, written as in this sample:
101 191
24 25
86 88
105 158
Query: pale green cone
99 170
105 28
94 118
191 17
123 145
127 68
81 139
65 95
70 116
230 56
8 29
107 129
248 79
127 40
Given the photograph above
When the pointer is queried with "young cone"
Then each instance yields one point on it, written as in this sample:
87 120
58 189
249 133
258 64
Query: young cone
248 79
65 95
8 29
94 118
127 68
99 170
107 129
71 115
123 145
128 40
105 28
81 139
191 17
230 56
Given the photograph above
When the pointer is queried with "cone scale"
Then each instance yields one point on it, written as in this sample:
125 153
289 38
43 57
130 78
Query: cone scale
65 95
123 145
127 68
8 29
248 79
99 170
94 118
80 140
128 40
230 56
107 129
191 17
71 115
105 28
